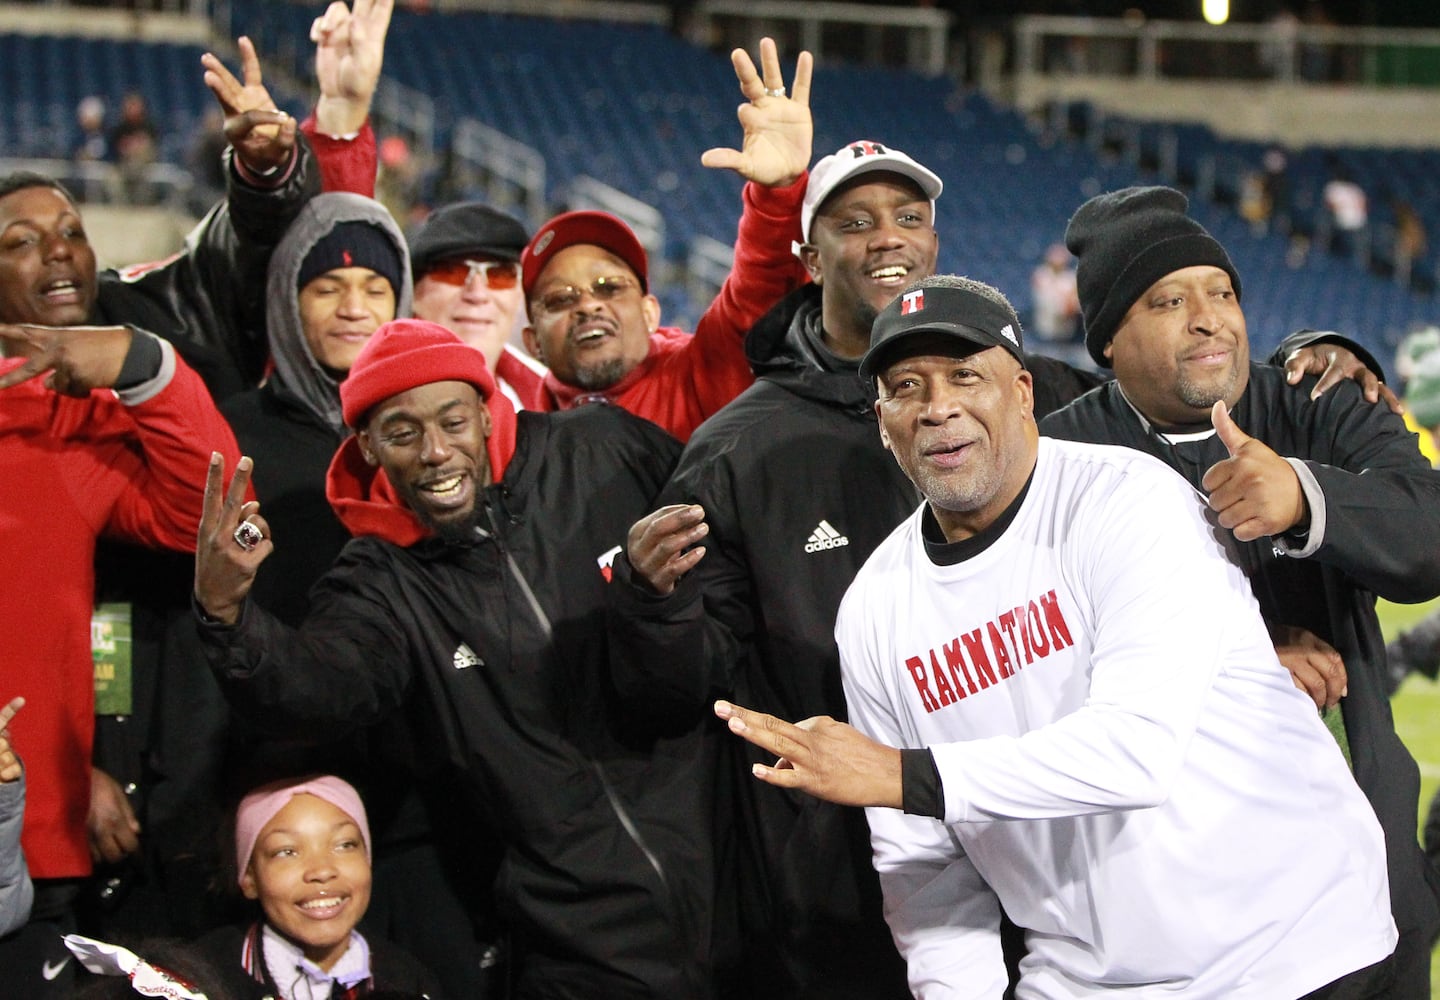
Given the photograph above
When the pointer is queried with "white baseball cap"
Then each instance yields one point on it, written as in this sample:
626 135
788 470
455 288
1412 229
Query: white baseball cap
862 156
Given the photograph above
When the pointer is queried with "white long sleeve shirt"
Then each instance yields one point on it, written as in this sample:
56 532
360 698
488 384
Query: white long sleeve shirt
1126 766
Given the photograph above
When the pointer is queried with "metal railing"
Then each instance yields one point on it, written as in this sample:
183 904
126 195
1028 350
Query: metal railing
1281 52
506 171
821 26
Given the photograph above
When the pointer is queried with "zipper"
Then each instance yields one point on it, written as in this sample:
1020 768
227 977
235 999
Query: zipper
629 824
517 574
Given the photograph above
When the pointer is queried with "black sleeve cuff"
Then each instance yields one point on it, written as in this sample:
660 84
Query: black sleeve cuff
920 790
142 360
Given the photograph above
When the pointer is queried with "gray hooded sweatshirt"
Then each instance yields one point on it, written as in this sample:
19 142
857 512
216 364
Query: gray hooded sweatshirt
296 369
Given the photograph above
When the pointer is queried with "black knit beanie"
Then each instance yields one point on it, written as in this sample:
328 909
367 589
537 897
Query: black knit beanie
352 244
1126 241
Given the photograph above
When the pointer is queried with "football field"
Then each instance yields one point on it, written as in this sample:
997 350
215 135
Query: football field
1417 719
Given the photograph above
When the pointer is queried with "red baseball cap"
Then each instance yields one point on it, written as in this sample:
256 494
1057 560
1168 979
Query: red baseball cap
599 229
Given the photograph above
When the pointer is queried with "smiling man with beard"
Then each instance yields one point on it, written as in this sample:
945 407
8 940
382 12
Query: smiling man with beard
470 604
1329 501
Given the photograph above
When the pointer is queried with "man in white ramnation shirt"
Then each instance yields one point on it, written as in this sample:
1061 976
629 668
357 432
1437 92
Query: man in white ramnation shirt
1065 704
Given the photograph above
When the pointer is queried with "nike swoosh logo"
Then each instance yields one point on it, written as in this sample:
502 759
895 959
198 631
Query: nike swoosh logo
51 971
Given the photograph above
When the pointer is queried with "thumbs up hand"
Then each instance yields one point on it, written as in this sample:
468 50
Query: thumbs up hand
1255 491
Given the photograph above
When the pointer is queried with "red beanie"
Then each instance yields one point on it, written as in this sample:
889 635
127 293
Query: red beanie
404 354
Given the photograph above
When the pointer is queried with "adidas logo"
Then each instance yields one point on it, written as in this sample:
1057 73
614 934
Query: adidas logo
825 537
465 657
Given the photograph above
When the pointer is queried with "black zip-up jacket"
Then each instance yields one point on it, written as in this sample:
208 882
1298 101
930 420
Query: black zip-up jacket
797 491
495 652
1381 536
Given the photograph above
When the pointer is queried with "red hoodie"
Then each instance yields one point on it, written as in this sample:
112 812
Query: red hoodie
366 502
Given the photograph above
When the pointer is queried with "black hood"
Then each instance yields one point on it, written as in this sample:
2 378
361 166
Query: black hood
780 351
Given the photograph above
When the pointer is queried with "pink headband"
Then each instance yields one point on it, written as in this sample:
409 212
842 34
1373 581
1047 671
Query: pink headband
260 806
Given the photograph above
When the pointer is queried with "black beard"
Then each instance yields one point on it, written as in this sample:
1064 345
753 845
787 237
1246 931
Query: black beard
455 531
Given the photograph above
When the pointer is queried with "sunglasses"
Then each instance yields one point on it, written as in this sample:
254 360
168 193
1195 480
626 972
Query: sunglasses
498 274
567 297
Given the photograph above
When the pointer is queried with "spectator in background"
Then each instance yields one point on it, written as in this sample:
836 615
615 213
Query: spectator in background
1275 184
1418 649
397 185
1056 307
206 161
466 259
91 145
16 890
1410 239
1349 211
135 145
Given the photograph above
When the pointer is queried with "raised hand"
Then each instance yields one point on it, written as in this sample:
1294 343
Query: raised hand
1255 491
830 760
262 136
349 53
778 129
77 358
225 559
1335 364
656 545
10 767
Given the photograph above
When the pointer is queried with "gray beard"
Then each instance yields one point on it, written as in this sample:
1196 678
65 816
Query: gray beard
600 376
1202 397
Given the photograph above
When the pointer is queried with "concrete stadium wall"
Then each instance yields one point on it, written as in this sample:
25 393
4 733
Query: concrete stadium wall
1291 114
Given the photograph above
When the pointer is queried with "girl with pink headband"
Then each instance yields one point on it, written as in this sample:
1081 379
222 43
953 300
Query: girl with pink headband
302 851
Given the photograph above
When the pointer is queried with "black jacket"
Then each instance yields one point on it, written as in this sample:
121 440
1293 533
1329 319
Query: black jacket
1381 537
495 653
797 491
209 300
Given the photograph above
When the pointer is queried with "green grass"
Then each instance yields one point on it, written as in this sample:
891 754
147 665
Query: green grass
1417 707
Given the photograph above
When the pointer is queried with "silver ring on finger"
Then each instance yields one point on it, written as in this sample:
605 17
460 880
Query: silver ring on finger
774 91
247 536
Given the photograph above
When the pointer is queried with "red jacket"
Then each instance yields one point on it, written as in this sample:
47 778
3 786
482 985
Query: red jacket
687 377
72 470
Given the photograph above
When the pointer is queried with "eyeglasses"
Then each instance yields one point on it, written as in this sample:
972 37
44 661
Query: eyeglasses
498 274
567 297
